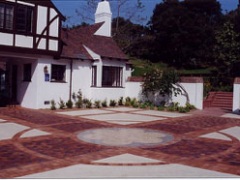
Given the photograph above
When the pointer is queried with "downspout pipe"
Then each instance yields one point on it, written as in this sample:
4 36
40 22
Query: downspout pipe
70 84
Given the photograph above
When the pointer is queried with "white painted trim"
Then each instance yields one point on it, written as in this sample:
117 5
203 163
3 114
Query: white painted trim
94 55
25 3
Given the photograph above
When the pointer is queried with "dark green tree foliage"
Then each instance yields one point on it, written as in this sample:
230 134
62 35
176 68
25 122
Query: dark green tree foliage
184 32
227 50
134 39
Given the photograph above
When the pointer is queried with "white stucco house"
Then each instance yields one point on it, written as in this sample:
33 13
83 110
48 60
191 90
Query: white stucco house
40 61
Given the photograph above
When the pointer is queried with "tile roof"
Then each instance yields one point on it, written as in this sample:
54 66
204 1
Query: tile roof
75 40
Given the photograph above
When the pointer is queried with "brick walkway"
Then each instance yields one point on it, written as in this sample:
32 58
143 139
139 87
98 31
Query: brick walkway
60 147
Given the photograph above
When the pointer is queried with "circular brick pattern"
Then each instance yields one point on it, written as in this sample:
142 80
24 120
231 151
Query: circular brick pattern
125 137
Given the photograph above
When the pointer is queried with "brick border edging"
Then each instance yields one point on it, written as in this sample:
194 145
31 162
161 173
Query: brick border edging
183 79
237 80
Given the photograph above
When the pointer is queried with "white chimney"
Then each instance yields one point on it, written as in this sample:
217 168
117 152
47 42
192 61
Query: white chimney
104 14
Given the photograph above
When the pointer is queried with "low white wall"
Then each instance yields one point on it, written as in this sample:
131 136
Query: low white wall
195 94
236 95
107 94
133 90
194 90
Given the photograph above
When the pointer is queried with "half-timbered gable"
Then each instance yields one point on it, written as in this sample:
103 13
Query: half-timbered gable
30 26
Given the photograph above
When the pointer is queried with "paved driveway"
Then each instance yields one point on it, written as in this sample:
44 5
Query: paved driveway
117 142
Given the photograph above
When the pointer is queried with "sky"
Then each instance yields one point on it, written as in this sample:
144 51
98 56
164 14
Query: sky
68 8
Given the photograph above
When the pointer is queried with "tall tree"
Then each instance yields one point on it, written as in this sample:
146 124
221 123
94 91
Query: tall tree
134 39
227 50
184 31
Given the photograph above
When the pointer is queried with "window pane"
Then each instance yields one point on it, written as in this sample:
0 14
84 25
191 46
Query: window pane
6 16
9 17
24 19
94 75
58 73
112 76
21 18
29 20
27 72
1 15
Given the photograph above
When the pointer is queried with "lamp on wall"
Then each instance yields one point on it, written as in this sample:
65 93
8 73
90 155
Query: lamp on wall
46 74
45 69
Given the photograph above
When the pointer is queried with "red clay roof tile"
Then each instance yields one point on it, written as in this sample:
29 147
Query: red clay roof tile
75 40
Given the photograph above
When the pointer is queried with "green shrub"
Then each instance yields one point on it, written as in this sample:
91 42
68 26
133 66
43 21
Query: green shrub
53 105
190 106
120 101
104 103
127 101
112 103
160 108
143 106
162 103
134 103
183 109
87 103
61 104
78 99
152 107
69 104
97 104
174 106
79 104
170 108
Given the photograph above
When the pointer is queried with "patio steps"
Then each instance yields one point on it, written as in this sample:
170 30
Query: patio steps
219 99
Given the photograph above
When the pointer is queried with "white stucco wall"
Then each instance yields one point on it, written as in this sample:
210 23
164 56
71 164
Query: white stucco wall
106 94
24 41
195 93
133 90
41 19
194 90
36 93
6 39
236 97
48 90
82 77
27 91
39 91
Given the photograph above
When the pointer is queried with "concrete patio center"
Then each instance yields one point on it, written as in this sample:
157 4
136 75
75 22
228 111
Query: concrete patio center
125 137
119 142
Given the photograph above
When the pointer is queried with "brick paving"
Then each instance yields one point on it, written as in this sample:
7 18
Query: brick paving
62 148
